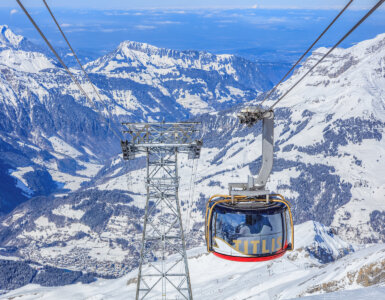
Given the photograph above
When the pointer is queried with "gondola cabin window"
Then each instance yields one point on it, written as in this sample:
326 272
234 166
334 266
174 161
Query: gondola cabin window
248 229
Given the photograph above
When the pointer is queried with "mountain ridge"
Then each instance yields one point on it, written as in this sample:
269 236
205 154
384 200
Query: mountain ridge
328 153
46 120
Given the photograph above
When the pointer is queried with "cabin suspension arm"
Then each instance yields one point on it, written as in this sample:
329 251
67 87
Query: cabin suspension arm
256 186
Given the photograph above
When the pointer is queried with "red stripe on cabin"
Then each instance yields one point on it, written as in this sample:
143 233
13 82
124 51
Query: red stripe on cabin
250 259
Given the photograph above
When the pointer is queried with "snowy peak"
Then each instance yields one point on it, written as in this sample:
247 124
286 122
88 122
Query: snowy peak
185 59
343 81
153 50
361 50
197 81
184 55
148 55
138 55
8 38
374 45
145 48
18 53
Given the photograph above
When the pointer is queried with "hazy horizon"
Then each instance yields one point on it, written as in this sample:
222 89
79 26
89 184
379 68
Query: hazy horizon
261 34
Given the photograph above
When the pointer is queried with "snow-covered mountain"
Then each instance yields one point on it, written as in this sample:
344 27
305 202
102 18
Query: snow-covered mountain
53 140
338 115
49 139
329 145
196 81
297 274
329 153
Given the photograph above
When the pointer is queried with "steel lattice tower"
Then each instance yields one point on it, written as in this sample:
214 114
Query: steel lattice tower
162 229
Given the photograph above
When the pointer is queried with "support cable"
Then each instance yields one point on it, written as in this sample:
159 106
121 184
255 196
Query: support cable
194 167
74 54
193 188
64 65
306 52
189 196
374 8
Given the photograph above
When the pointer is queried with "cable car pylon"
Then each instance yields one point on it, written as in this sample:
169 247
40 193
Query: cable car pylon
162 228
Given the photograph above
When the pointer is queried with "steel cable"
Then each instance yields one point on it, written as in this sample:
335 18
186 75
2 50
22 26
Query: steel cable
374 8
191 198
307 51
78 61
65 66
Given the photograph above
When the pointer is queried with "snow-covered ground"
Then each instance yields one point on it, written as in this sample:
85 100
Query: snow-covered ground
297 274
377 292
332 125
329 165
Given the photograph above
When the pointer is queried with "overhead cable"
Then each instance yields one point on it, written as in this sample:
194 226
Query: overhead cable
374 8
62 62
79 63
73 52
306 52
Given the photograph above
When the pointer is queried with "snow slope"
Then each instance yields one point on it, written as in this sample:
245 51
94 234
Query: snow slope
297 274
329 154
377 292
340 108
330 145
328 164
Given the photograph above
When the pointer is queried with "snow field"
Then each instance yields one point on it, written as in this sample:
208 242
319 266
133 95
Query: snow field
297 274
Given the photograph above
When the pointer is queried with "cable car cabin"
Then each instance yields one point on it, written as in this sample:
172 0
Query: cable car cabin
248 229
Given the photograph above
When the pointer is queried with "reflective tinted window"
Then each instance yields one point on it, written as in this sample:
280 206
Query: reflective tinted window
247 234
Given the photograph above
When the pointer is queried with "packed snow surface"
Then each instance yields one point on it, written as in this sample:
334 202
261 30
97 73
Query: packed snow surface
297 274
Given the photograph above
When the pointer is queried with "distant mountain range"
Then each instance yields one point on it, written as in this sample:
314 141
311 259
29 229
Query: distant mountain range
329 146
52 139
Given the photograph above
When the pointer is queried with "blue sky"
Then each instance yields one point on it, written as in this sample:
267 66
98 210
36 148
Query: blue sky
167 4
268 34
